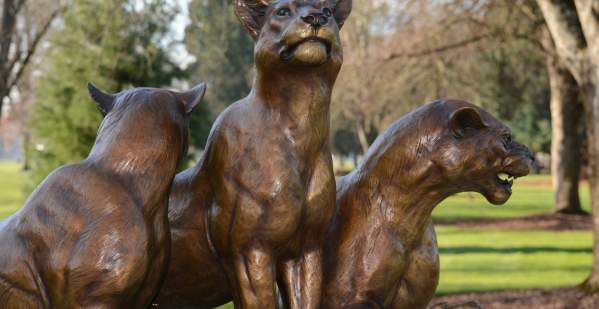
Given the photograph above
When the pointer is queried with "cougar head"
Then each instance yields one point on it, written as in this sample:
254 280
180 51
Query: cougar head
476 152
295 32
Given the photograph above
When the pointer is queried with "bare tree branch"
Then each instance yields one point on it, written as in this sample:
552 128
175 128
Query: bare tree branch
20 35
588 12
443 48
568 45
32 48
17 56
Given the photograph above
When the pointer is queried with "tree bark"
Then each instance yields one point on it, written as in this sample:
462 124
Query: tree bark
574 27
588 12
591 93
566 115
9 12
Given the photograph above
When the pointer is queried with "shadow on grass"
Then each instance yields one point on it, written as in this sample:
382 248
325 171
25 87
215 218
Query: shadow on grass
476 249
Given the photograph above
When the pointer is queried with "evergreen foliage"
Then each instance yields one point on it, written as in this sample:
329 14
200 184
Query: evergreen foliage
224 58
115 44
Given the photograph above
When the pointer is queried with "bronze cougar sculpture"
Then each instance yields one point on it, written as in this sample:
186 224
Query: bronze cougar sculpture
95 234
261 197
381 249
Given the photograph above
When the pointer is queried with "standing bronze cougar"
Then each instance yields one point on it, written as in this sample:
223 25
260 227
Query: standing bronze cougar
264 189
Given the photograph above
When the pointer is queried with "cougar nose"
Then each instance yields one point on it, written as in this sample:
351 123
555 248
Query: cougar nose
315 19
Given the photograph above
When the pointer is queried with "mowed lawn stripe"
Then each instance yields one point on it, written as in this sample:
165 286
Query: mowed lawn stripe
474 260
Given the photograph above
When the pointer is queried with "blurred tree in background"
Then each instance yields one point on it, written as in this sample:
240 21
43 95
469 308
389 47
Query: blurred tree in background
496 54
23 25
367 96
224 55
402 54
574 29
115 44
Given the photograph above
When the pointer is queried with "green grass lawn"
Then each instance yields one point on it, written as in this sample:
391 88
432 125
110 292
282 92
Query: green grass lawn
471 259
489 260
11 183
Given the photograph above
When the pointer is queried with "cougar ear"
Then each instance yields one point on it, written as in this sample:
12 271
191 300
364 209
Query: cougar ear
104 101
251 14
465 119
342 11
192 98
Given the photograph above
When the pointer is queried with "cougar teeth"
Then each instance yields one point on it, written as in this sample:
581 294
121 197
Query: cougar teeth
504 177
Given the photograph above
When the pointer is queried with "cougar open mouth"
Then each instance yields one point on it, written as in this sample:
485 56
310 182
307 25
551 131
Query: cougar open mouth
505 180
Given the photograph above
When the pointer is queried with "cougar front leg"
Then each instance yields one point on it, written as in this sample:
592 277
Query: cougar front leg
301 278
420 280
253 278
301 281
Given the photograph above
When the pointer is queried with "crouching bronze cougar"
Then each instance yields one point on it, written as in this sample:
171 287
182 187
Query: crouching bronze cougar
381 249
95 234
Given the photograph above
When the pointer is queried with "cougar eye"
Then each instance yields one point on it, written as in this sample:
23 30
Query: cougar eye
507 139
284 12
327 12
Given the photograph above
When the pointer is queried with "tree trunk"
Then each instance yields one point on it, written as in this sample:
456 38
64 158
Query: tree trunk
588 13
3 94
574 27
26 148
7 26
591 285
566 115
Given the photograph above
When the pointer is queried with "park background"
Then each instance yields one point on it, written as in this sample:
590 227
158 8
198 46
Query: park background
399 54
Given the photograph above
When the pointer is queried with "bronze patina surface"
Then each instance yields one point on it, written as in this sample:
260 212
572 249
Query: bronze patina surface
264 190
95 234
381 250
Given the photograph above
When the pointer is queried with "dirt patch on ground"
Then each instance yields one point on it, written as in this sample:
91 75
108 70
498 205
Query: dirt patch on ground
562 298
552 222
